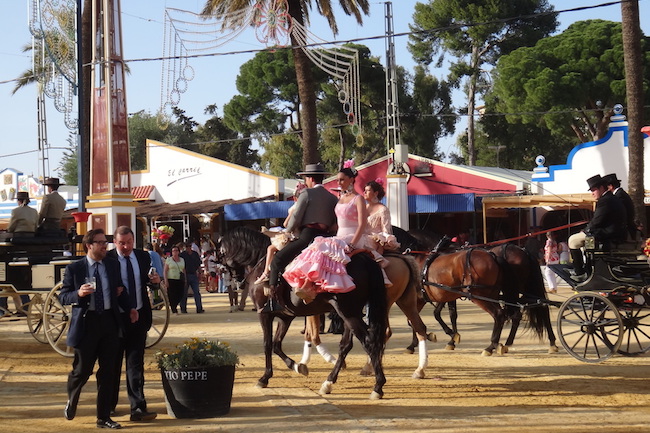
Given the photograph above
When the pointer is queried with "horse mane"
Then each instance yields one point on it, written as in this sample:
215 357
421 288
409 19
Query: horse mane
415 240
243 247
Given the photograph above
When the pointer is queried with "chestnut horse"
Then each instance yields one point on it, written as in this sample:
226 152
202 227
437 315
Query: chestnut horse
244 247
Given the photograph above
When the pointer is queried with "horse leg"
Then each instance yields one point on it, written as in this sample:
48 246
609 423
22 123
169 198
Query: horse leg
451 345
312 337
515 321
414 338
499 316
408 305
280 332
345 346
266 321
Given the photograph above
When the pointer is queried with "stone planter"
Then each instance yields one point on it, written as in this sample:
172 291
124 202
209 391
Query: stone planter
202 392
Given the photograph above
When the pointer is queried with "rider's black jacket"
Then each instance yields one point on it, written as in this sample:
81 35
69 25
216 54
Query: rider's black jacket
609 220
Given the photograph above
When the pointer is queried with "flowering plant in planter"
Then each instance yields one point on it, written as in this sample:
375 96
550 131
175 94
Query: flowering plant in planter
196 352
198 378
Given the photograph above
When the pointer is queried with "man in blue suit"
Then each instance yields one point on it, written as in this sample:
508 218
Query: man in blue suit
135 334
95 325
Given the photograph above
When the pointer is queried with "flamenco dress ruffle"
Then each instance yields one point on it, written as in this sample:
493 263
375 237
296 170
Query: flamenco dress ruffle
388 241
323 263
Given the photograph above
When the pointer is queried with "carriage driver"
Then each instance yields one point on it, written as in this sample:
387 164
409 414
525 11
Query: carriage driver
607 224
313 216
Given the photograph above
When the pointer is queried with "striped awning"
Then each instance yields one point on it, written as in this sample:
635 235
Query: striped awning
143 193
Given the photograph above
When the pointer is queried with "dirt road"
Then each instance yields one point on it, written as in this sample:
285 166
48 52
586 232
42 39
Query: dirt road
526 390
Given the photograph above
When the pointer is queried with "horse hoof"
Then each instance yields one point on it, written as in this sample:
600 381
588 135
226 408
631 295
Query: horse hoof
553 349
450 347
366 370
486 353
501 350
505 349
418 374
326 388
303 369
432 337
375 395
261 384
409 351
456 338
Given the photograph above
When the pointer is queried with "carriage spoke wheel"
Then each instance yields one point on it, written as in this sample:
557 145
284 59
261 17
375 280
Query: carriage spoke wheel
35 318
636 333
56 322
590 327
160 315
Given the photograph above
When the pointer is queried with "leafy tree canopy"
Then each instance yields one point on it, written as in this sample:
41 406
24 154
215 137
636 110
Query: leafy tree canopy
569 77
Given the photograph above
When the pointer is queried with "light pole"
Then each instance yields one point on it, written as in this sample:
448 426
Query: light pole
498 149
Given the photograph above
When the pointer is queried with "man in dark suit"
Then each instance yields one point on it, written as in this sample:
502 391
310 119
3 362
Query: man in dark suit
135 334
52 207
313 216
614 185
605 225
95 325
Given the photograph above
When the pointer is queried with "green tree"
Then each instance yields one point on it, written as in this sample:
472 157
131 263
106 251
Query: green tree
476 33
299 12
219 141
282 155
567 83
68 167
142 126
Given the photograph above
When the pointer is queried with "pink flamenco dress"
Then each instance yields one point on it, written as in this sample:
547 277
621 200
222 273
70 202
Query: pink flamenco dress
323 261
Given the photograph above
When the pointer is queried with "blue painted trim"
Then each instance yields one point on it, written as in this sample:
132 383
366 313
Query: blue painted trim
569 165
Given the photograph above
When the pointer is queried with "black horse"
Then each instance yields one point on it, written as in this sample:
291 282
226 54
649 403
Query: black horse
243 247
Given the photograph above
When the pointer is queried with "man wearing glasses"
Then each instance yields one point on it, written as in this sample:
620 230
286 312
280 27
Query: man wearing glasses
93 286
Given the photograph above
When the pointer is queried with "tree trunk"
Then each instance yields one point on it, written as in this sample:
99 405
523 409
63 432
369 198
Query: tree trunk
634 89
306 93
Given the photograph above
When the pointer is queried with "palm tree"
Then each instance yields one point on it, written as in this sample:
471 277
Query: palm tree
634 86
299 12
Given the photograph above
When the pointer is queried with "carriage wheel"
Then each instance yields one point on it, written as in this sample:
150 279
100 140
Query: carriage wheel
57 320
636 332
35 318
590 327
161 315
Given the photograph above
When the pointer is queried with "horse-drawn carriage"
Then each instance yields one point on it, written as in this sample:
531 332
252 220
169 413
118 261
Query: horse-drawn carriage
32 268
610 313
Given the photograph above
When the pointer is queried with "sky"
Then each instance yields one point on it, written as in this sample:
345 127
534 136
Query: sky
214 81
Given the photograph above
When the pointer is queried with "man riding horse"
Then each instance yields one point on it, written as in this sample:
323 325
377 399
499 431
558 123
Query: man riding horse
313 216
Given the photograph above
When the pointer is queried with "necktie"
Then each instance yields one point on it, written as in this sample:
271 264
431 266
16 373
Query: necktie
131 282
99 292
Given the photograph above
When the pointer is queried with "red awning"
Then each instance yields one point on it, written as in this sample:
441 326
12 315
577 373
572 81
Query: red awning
143 193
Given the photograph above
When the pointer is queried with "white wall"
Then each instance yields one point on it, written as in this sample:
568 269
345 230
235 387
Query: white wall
181 175
609 155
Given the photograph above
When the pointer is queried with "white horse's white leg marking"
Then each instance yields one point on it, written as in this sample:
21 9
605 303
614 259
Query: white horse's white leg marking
325 388
306 353
327 356
423 356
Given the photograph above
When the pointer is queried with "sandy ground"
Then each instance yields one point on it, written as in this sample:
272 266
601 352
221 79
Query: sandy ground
526 390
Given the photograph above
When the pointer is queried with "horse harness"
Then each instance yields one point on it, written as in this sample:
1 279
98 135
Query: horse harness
464 290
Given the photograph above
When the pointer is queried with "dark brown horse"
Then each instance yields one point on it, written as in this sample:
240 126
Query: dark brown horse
244 247
522 274
474 274
525 276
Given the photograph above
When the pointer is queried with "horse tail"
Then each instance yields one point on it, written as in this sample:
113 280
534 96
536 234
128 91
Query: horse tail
539 318
377 310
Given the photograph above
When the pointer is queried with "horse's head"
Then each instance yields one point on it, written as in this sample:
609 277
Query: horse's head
243 247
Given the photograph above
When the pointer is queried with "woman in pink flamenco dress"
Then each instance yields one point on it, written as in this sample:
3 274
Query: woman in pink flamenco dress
380 228
321 266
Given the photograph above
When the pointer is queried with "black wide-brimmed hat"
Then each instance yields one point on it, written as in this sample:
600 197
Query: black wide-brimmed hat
312 169
594 181
22 195
52 181
610 179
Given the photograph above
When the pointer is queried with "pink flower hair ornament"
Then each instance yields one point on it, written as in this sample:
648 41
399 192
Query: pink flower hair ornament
380 181
349 163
